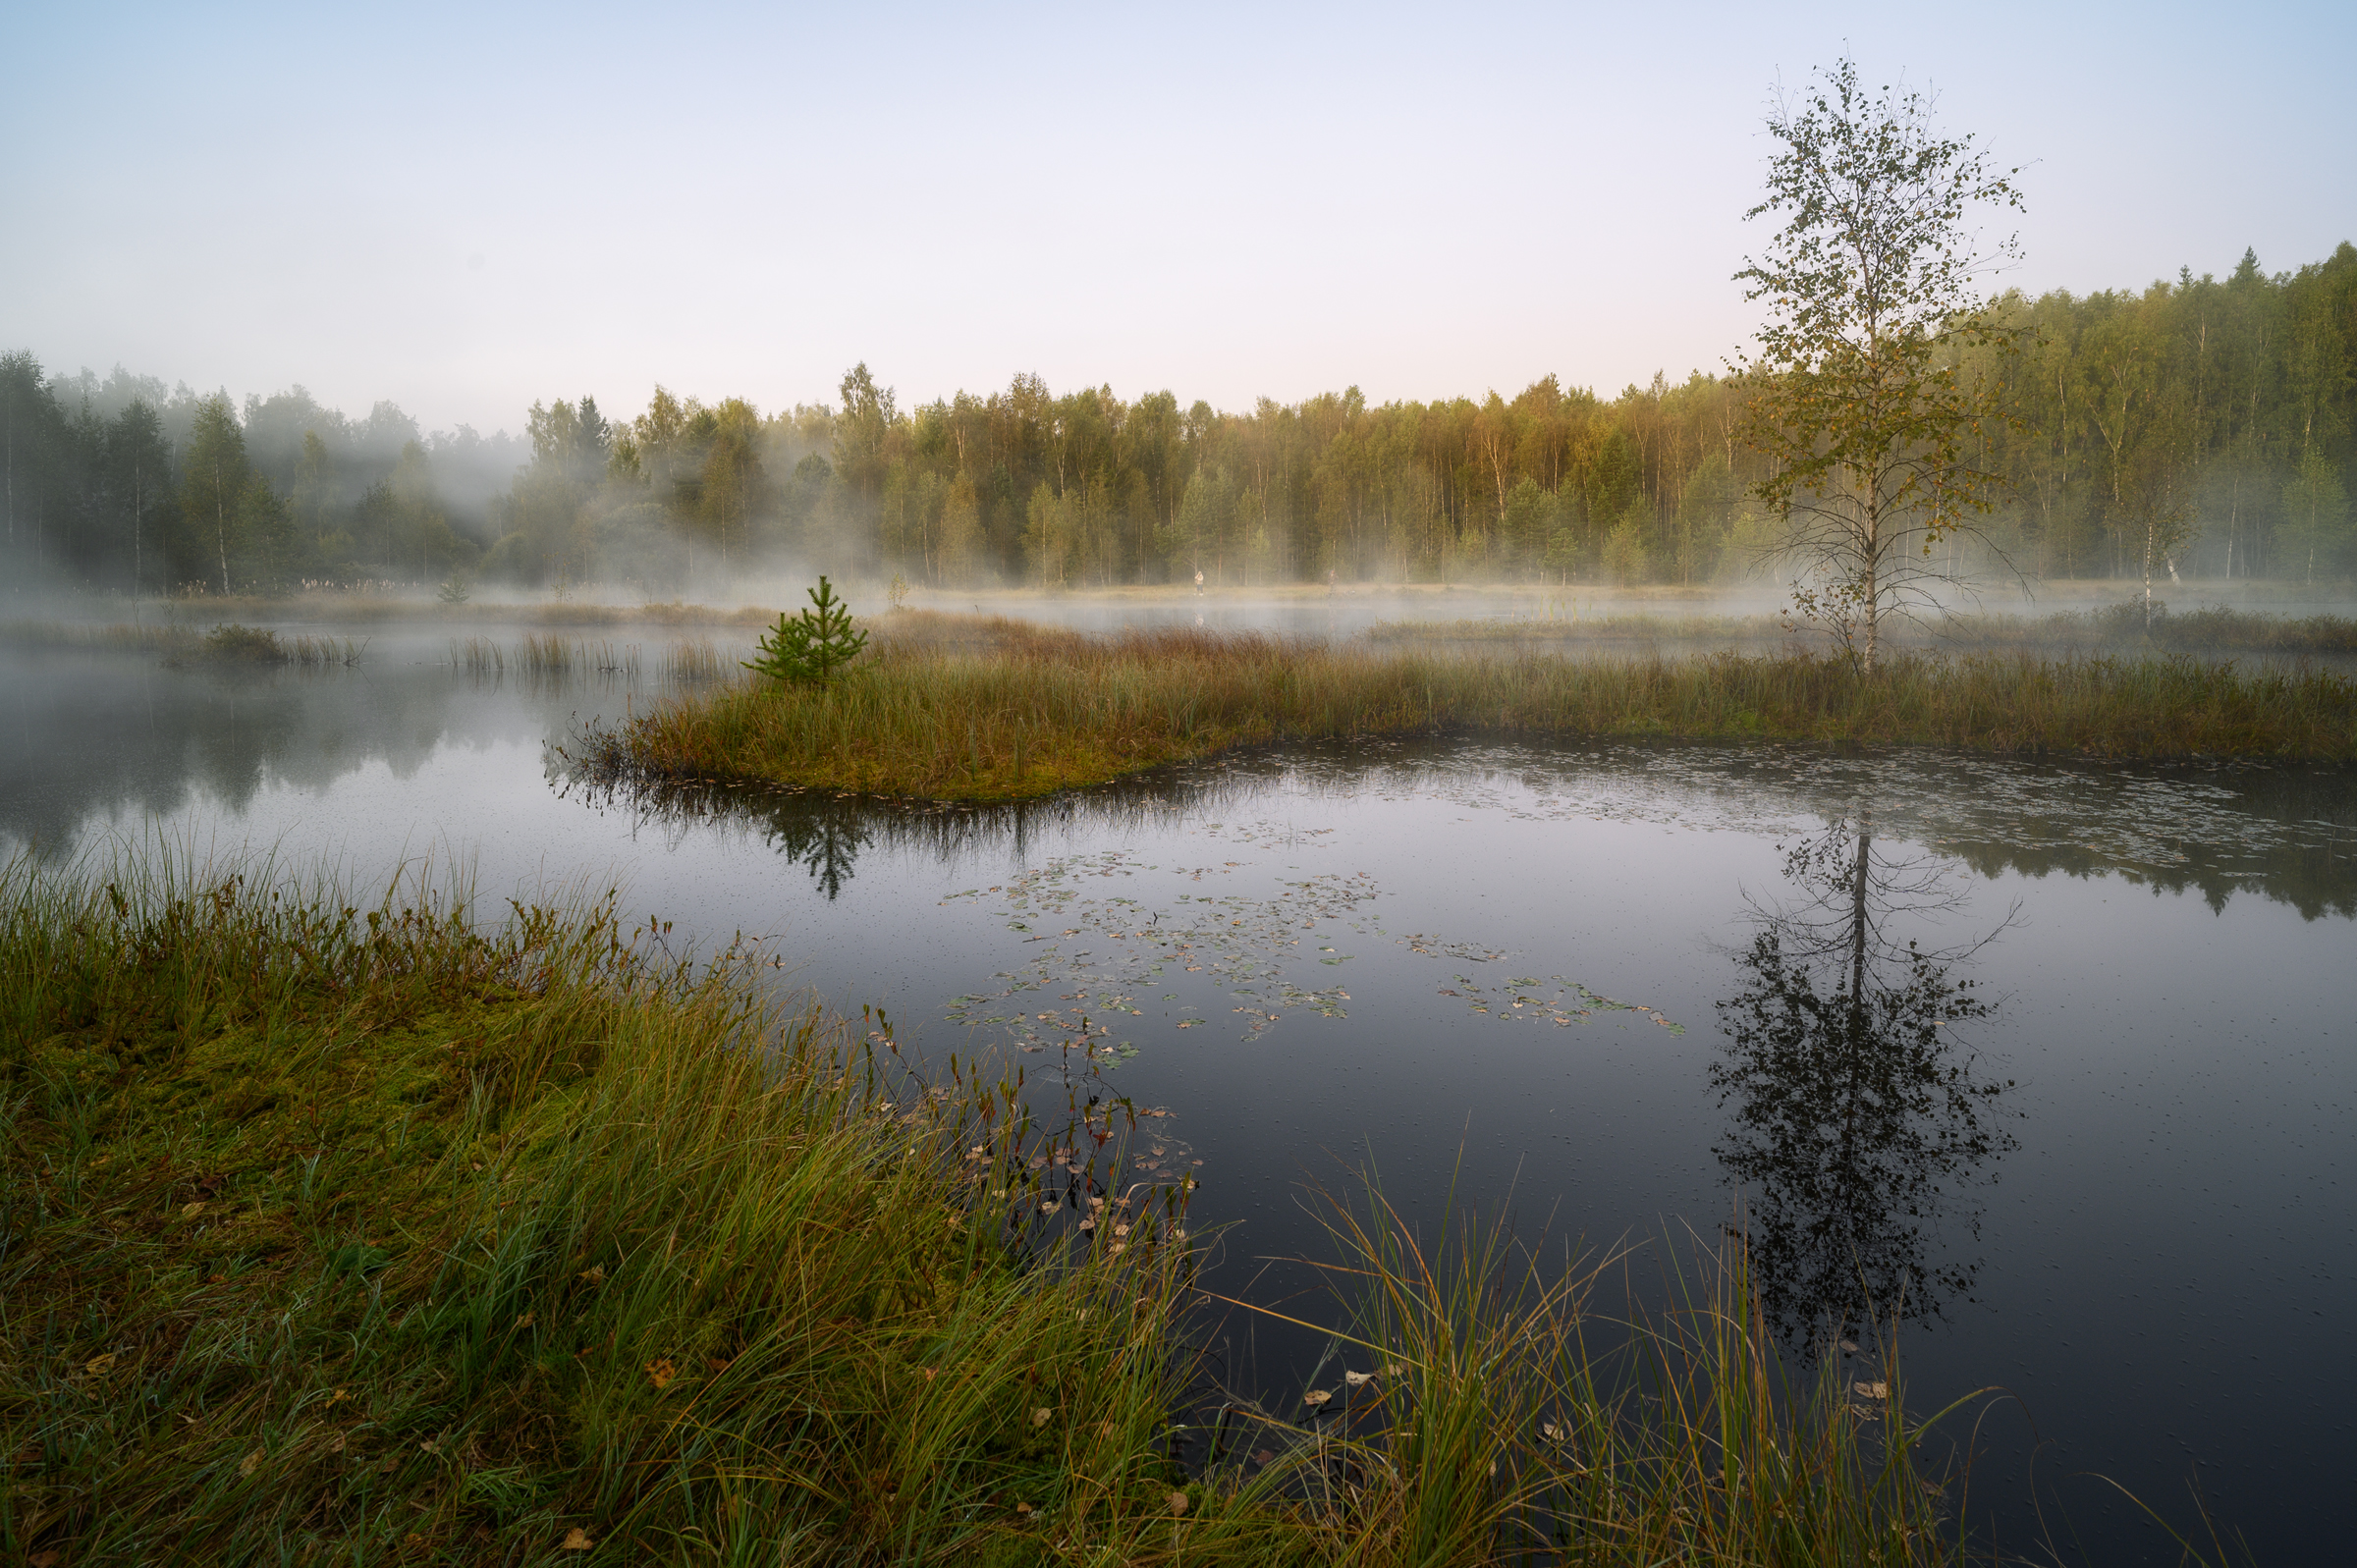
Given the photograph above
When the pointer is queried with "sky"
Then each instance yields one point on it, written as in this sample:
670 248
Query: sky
467 208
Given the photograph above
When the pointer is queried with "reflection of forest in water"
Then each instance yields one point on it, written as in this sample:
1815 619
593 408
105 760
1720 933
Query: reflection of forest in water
1862 1120
102 734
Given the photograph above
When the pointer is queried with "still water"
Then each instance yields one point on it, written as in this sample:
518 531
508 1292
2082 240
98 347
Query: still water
2055 1059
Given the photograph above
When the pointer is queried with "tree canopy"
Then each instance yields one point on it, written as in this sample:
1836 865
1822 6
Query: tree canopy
2229 399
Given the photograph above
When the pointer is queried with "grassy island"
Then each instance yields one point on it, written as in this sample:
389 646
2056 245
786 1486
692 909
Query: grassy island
340 1230
1014 711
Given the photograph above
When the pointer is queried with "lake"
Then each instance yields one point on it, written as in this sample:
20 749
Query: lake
2053 1060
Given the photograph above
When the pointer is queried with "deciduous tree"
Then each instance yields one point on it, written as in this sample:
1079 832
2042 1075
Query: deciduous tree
1859 400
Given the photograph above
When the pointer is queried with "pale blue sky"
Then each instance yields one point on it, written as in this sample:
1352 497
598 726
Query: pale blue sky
467 207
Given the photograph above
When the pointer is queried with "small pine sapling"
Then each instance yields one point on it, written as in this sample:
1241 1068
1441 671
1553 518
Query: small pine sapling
810 646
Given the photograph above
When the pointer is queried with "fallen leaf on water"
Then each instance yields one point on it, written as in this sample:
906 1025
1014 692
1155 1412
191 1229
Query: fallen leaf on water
1871 1390
575 1540
1264 1456
1317 1396
1357 1379
660 1373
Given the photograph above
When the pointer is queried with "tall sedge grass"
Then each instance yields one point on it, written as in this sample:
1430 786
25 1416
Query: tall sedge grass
550 658
135 637
2123 628
347 1229
1479 1408
1039 711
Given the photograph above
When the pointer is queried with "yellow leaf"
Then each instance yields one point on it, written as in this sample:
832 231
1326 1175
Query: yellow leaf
191 1211
1317 1396
1871 1390
1039 1417
1178 1502
97 1365
575 1540
596 1276
248 1465
660 1373
524 1322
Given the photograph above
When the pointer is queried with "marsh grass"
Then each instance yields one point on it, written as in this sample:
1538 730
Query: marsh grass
423 605
550 658
1036 711
1476 1407
349 1228
170 638
2123 628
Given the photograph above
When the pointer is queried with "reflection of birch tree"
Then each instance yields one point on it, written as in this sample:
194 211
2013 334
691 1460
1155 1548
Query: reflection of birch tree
1859 1116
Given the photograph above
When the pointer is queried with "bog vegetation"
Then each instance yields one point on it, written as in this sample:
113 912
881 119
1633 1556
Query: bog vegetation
339 1228
1017 710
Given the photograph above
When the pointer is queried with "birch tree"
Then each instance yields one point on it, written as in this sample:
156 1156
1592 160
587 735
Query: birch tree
1860 403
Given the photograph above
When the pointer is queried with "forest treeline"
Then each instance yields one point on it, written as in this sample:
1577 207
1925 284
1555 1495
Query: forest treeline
2230 402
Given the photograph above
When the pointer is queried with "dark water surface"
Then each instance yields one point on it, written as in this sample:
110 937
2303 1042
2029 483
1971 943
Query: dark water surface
2060 1058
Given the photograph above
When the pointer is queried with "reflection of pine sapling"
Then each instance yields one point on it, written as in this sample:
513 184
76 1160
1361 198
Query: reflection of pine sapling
809 646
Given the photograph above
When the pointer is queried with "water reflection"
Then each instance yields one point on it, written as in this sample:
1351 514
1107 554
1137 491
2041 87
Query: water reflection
1863 1119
